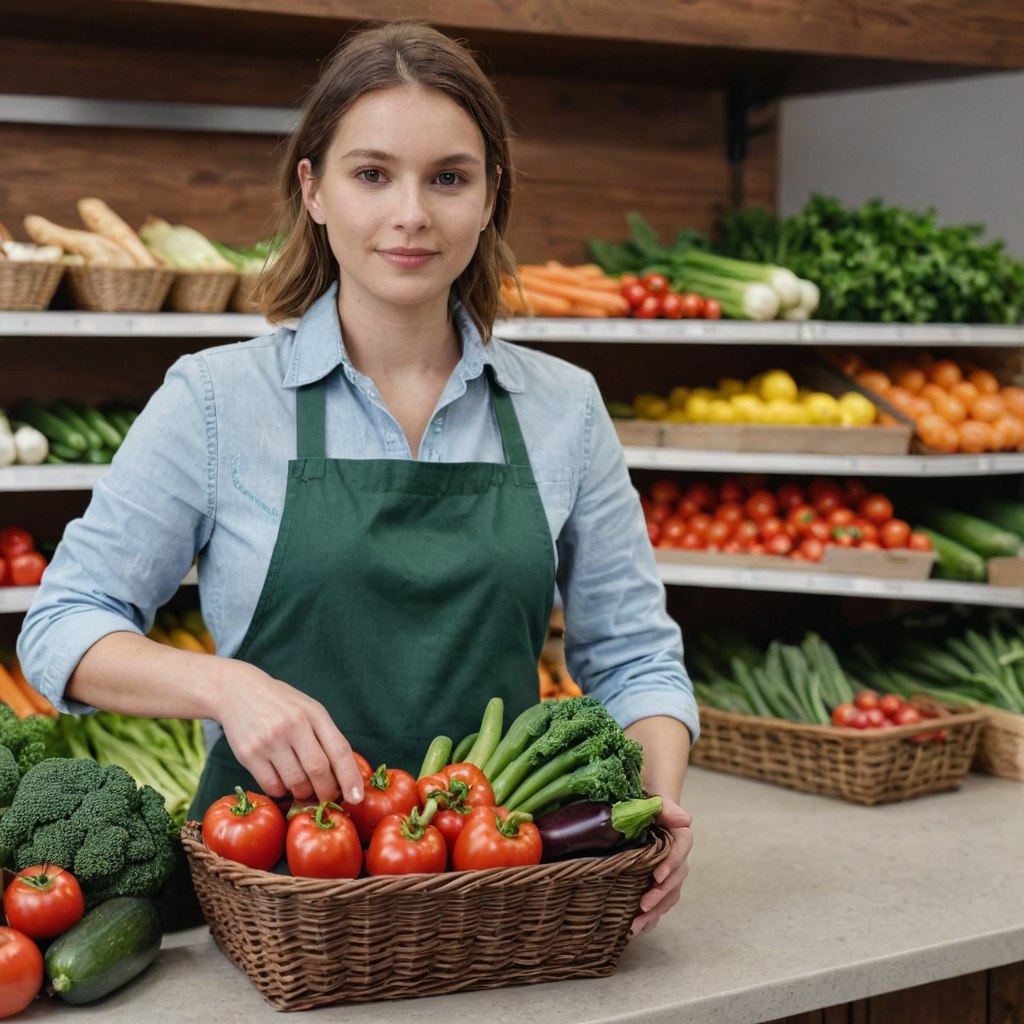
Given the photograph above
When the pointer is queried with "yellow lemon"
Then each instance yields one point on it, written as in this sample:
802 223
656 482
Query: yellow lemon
676 416
705 392
729 386
677 397
822 408
780 410
642 401
856 410
696 408
777 384
747 407
721 411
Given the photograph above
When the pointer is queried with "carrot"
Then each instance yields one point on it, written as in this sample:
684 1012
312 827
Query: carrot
593 270
571 275
12 695
39 702
585 310
534 303
615 305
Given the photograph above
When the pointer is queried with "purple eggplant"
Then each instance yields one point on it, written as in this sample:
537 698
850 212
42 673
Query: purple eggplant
591 827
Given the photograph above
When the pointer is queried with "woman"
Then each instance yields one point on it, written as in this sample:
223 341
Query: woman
382 499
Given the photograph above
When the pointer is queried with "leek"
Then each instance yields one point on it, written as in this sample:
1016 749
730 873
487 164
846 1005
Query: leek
741 300
784 282
810 296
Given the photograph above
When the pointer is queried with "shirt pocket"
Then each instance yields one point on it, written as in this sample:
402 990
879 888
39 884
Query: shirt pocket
555 487
258 485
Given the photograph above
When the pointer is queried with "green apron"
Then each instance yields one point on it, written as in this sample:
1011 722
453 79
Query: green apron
401 594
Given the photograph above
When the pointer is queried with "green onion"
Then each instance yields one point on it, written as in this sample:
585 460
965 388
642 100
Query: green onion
781 280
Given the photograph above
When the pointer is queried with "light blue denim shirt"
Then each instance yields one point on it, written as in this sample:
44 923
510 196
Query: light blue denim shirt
202 474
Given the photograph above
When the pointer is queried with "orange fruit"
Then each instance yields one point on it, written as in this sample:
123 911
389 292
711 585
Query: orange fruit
965 391
917 408
984 380
874 380
938 433
975 437
1013 396
924 361
1007 433
899 397
955 411
945 373
912 379
988 408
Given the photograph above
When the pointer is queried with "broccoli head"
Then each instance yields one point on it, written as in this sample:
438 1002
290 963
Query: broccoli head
94 821
10 776
29 739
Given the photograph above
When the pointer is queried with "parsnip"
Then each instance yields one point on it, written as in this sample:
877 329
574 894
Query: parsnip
97 250
99 217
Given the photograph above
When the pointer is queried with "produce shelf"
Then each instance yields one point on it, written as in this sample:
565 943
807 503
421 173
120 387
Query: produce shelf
50 478
786 581
66 323
992 463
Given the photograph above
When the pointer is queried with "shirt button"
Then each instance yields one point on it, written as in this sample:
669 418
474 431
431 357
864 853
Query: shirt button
390 436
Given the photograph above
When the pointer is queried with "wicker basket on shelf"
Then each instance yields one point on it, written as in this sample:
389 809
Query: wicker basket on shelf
242 298
1001 747
201 291
28 285
118 289
868 766
308 942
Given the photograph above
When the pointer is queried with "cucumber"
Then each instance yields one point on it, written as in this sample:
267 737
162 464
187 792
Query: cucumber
112 437
55 429
63 409
953 561
114 942
981 536
1006 514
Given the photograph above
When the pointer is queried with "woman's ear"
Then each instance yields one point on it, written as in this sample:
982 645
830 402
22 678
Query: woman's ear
308 183
489 212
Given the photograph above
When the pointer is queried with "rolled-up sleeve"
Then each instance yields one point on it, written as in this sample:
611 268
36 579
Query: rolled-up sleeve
621 645
126 556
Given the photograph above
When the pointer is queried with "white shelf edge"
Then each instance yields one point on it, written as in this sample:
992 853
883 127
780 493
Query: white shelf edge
50 478
69 323
18 599
786 581
988 464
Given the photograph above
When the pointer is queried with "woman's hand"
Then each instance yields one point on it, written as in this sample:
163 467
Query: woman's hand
286 739
671 872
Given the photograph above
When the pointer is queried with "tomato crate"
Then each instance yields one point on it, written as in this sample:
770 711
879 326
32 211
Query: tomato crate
864 766
308 942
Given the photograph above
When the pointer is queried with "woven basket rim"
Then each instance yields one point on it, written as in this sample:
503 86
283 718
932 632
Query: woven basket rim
890 734
90 268
645 857
204 271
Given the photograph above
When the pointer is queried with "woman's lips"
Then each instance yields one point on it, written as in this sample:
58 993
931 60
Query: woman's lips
407 259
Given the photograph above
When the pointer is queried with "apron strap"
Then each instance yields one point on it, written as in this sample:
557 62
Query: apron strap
309 421
508 423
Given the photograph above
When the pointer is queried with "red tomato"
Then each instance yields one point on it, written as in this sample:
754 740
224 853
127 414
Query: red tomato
828 498
843 537
712 309
672 306
5 576
649 308
860 720
761 504
660 511
704 493
854 491
730 512
666 491
907 715
812 549
700 522
405 844
877 508
693 305
494 838
876 717
919 541
692 542
801 517
746 532
43 901
672 530
890 703
866 530
841 516
770 526
864 700
460 783
387 791
780 544
894 534
719 532
26 569
322 842
15 541
247 827
820 530
731 491
654 533
634 293
21 971
687 507
790 495
842 714
656 284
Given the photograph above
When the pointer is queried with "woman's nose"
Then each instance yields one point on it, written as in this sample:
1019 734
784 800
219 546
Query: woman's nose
410 210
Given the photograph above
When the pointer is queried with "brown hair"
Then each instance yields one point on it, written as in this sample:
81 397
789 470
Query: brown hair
404 52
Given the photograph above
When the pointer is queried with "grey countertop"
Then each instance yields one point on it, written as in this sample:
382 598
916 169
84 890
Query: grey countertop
794 902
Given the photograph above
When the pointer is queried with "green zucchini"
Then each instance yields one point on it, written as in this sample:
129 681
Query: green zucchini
112 437
981 536
55 429
62 408
1006 514
114 942
953 561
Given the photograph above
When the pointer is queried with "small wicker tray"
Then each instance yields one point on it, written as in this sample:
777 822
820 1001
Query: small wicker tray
242 298
308 942
869 766
201 291
28 284
1001 747
118 289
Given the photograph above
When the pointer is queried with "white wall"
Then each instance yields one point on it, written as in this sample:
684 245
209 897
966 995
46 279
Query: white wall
956 146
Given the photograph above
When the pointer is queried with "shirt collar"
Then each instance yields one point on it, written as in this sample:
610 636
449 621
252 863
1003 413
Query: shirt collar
318 347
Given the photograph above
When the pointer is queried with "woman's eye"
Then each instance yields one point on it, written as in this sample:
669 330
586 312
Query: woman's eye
373 175
449 178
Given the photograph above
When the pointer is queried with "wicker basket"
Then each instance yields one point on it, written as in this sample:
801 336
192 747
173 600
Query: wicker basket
1001 747
118 289
28 284
242 298
308 942
869 766
201 291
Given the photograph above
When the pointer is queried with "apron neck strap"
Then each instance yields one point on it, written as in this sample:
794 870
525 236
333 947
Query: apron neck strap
309 422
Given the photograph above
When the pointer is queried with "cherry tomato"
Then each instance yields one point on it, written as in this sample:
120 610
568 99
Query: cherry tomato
894 534
770 526
322 842
21 971
890 703
666 490
15 541
867 529
780 544
247 827
672 306
843 713
719 532
812 549
26 569
687 507
43 901
859 720
730 512
841 516
672 530
692 541
655 283
648 309
790 495
494 838
919 541
801 516
712 309
907 715
634 293
864 700
704 493
842 537
732 491
761 504
877 508
746 532
700 523
827 499
386 791
404 844
820 530
692 305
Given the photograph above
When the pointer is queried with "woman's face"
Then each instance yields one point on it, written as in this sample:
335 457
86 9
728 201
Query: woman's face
403 194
